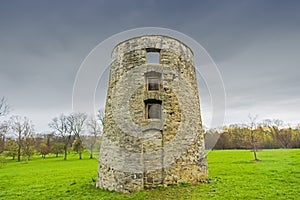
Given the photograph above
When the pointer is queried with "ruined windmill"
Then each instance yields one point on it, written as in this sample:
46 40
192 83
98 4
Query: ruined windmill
152 129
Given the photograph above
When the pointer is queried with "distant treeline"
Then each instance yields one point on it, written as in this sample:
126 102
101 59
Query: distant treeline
44 144
270 134
73 131
77 131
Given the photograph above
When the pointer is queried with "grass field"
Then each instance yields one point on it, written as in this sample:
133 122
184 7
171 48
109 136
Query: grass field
232 176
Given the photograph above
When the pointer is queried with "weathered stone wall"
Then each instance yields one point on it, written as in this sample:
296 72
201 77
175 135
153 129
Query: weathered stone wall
138 152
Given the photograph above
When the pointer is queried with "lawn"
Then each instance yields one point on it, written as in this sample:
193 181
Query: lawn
233 175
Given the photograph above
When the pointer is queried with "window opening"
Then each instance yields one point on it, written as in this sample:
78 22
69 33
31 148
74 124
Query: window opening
153 109
153 56
153 80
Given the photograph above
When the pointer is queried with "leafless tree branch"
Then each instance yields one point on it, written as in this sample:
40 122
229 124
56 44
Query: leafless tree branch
4 107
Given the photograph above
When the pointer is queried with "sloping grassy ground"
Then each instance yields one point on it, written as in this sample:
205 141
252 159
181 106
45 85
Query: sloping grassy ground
233 176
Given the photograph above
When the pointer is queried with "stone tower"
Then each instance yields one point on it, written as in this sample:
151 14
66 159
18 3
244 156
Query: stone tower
152 128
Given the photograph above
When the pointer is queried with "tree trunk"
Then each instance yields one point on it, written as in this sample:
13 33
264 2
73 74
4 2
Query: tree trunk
80 155
254 152
19 153
27 158
91 152
66 152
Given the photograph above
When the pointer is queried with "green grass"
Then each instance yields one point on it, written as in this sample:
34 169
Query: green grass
232 176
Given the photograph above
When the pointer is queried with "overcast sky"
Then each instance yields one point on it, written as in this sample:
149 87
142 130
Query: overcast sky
255 44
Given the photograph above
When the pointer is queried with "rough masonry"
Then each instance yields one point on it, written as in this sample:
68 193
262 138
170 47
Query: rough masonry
152 129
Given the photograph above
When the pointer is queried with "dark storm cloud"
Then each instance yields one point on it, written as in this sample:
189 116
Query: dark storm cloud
254 43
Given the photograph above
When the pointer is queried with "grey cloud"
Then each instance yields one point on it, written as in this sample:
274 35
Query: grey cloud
254 43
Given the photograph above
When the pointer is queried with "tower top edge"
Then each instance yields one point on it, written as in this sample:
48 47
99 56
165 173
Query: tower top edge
149 37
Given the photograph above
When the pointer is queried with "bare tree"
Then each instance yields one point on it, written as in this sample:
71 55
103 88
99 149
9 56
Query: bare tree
57 146
211 138
28 141
11 148
18 129
279 134
94 131
4 107
100 116
285 137
4 110
60 127
76 123
44 150
253 140
23 130
4 126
